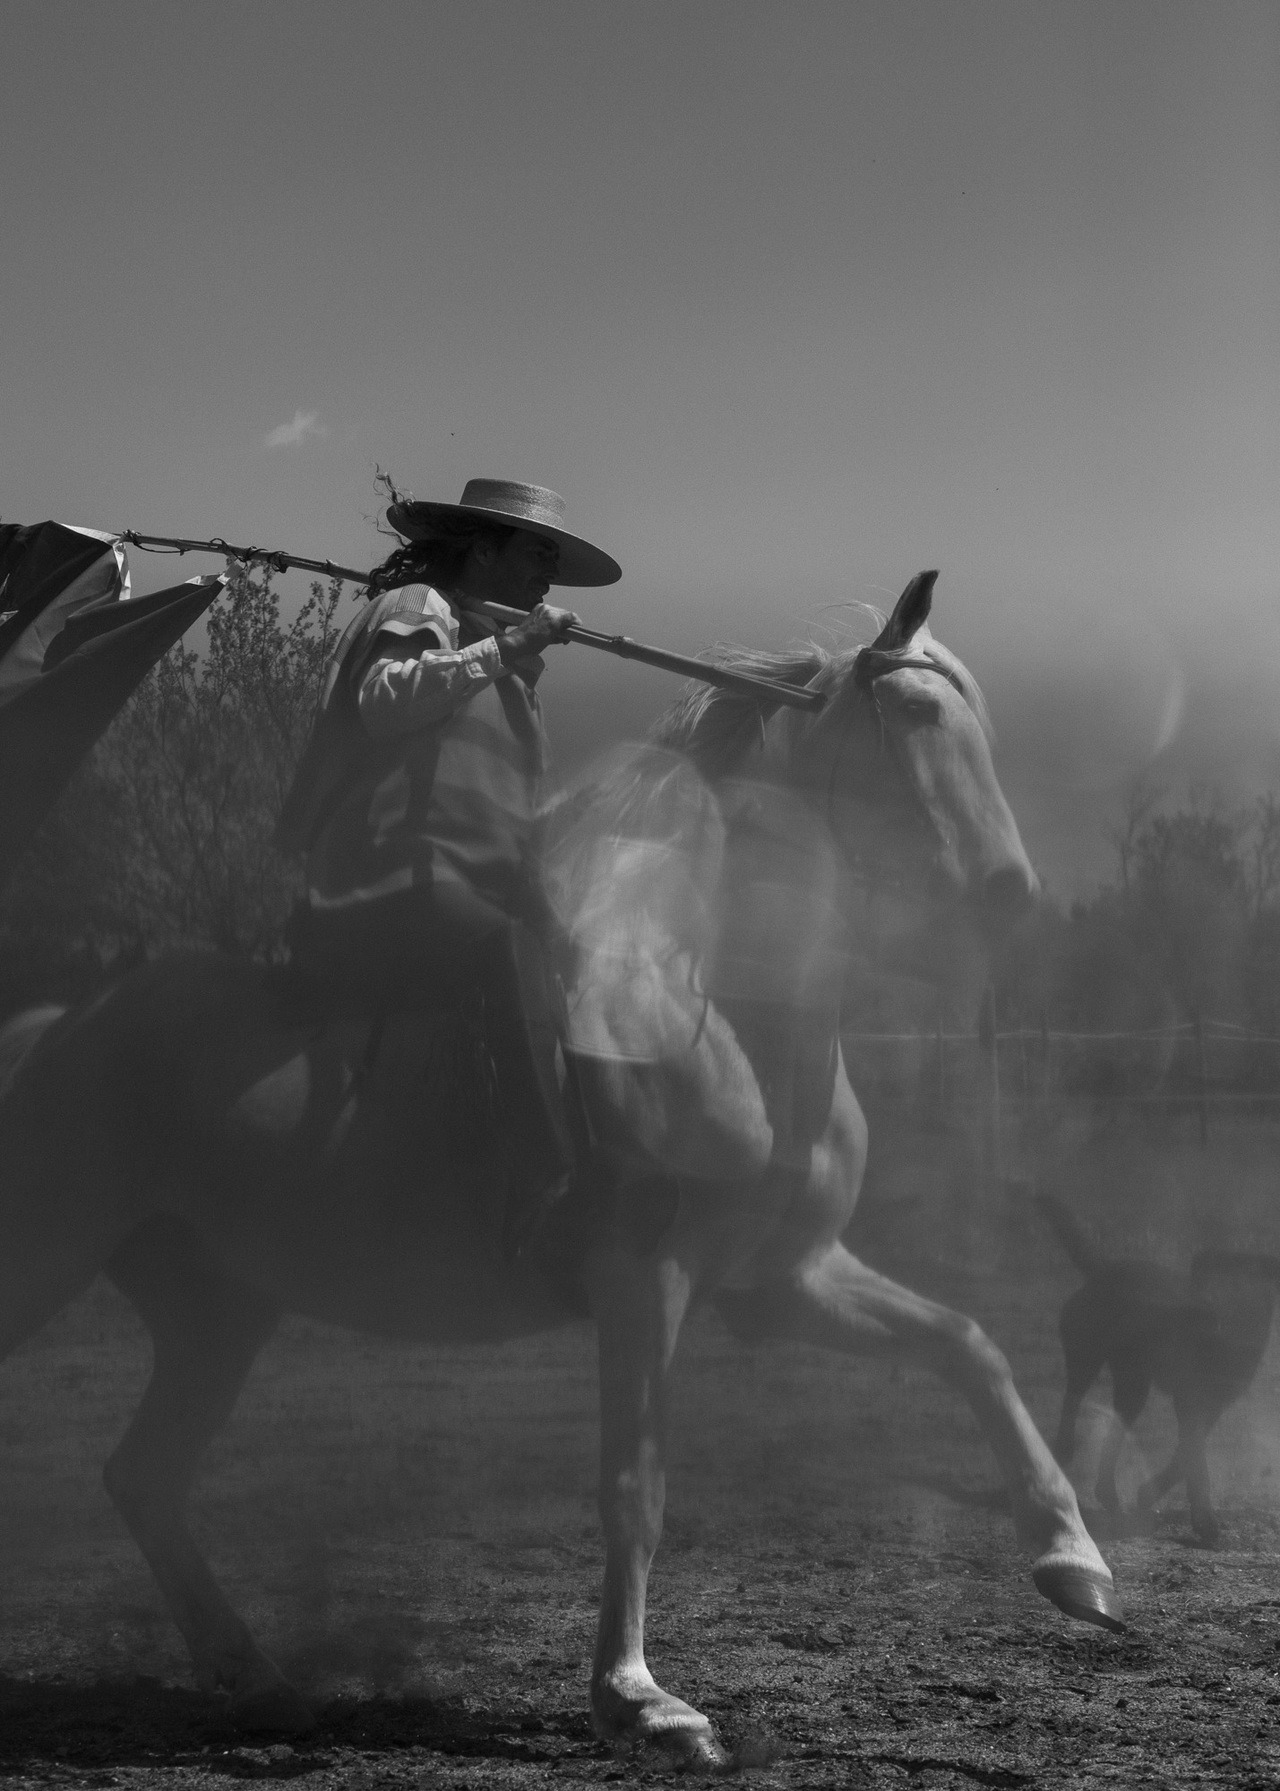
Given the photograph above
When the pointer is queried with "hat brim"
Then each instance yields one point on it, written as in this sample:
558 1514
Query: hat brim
580 563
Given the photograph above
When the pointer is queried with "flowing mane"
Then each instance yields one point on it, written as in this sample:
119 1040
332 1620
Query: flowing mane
713 726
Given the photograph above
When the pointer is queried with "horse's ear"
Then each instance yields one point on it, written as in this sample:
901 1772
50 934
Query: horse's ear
910 613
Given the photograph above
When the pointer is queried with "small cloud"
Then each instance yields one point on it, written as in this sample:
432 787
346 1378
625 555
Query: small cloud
305 424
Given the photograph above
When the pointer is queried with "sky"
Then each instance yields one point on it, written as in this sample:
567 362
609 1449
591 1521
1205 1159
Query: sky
788 300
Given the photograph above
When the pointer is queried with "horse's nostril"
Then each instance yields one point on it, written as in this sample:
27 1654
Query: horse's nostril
1011 888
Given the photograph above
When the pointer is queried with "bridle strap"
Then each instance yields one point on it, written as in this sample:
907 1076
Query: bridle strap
876 662
873 663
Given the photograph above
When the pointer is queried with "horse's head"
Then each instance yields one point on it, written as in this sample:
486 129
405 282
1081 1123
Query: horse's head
900 759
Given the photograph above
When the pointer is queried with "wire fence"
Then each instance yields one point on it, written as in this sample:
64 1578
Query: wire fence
1204 1068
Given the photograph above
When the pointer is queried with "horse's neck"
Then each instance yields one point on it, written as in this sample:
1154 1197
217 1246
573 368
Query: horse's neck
775 754
778 897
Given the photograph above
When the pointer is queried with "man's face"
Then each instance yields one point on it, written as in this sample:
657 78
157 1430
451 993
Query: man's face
521 572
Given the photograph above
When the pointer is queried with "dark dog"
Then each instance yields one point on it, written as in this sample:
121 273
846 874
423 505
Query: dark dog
1198 1337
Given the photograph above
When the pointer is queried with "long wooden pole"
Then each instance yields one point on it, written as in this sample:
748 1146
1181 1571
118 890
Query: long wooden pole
620 645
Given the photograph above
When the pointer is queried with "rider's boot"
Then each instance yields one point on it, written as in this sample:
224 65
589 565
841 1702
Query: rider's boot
523 1034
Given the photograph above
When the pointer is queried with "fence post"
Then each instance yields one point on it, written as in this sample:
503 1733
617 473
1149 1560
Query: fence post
1044 1054
1202 1077
990 1045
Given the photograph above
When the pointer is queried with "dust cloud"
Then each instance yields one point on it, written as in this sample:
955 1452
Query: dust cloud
418 1526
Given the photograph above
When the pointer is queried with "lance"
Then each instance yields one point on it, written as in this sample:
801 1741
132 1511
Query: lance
621 645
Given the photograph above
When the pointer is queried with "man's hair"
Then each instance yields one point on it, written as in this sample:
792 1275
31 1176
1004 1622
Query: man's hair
438 558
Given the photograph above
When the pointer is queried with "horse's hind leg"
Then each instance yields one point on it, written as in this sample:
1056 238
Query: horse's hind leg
206 1330
55 1237
835 1300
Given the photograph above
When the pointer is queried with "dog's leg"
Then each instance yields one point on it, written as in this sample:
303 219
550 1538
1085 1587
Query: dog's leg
1105 1489
1130 1393
1150 1495
1064 1443
1084 1359
1193 1429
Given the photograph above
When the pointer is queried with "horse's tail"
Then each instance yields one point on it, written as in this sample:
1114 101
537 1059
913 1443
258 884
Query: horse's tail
19 1037
1071 1234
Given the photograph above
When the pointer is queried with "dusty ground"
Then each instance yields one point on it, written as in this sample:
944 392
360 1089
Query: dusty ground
413 1537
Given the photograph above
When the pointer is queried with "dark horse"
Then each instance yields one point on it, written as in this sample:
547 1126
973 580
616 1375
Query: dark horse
225 1159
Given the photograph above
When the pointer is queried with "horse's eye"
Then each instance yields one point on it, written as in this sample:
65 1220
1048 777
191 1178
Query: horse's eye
923 708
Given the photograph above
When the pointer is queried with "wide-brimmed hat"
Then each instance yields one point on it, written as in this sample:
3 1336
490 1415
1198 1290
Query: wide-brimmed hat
530 507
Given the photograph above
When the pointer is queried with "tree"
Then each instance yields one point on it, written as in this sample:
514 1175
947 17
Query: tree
1188 903
1188 928
164 837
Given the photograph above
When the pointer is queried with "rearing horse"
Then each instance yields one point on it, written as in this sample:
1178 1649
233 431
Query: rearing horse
224 1157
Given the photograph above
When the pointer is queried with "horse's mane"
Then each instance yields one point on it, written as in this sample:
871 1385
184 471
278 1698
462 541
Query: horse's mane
714 727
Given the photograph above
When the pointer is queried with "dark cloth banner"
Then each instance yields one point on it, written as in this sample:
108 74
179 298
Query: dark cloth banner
73 648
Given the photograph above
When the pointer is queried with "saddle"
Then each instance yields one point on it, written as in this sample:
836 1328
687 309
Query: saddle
492 1046
504 1053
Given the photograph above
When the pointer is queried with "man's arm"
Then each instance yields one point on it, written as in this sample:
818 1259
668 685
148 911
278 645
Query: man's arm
400 693
403 691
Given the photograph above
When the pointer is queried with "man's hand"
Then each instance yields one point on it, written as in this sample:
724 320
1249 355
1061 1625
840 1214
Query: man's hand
545 627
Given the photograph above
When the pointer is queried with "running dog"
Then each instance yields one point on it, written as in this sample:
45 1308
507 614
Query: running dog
1199 1337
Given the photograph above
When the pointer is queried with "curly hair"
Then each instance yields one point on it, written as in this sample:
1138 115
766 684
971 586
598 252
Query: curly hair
436 559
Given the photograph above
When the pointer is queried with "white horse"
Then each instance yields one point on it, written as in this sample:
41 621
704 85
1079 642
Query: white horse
224 1156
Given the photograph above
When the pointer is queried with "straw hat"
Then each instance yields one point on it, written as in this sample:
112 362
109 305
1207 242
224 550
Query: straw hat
530 507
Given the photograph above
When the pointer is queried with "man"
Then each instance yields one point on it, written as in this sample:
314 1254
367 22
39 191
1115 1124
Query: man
418 793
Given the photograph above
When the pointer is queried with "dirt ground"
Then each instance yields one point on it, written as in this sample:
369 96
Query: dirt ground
412 1535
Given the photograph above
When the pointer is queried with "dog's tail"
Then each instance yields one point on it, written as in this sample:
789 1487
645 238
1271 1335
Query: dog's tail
1071 1234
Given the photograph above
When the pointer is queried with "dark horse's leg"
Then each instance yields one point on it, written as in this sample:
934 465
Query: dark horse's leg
206 1330
60 1215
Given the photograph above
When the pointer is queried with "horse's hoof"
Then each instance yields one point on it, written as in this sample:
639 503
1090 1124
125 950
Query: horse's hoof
663 1727
1081 1593
705 1754
272 1710
688 1750
681 1738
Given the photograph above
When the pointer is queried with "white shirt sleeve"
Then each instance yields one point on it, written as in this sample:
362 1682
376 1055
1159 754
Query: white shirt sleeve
399 696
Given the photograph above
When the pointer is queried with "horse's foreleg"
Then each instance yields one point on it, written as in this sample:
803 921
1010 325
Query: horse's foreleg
206 1331
638 1307
835 1300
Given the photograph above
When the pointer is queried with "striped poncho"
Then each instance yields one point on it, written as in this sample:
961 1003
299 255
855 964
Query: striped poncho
426 764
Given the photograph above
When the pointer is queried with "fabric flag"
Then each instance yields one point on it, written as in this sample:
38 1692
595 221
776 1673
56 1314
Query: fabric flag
74 645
